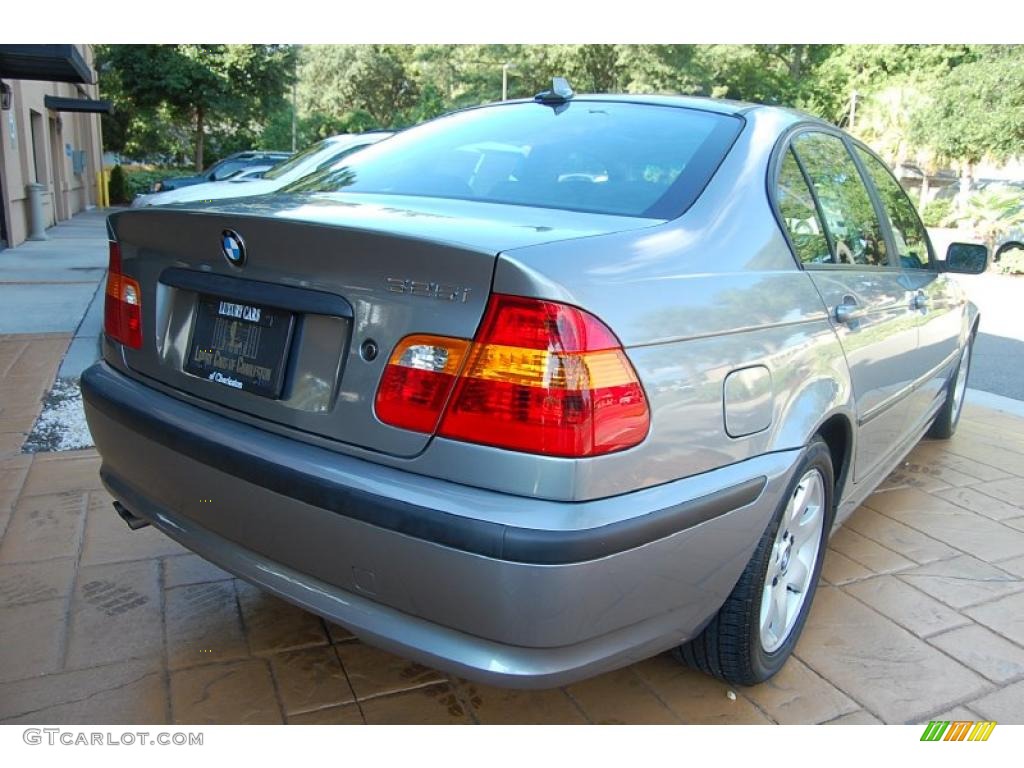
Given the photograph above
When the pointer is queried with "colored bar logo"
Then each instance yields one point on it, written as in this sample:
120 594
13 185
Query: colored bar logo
958 730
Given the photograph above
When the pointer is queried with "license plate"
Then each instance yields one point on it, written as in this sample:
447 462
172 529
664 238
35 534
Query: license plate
242 346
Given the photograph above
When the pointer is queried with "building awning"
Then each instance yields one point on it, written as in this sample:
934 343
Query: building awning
59 104
53 63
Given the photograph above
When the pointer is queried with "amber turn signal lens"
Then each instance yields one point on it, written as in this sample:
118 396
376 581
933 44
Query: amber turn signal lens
540 377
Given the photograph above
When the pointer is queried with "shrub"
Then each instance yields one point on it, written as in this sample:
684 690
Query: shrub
937 212
141 180
993 212
1011 262
117 189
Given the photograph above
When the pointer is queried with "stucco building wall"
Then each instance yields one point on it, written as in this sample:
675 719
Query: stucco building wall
39 144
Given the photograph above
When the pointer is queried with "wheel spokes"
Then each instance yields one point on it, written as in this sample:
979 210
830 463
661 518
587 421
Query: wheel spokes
806 523
797 575
792 559
798 504
960 385
773 614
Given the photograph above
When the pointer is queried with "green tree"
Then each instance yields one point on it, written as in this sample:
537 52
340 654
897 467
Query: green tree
343 85
926 104
979 110
377 83
865 70
595 68
226 89
663 69
322 72
976 112
769 74
883 120
461 75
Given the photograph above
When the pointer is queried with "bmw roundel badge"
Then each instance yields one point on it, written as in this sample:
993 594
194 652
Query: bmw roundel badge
232 247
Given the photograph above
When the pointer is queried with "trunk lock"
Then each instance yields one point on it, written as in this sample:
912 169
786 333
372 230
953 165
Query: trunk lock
369 350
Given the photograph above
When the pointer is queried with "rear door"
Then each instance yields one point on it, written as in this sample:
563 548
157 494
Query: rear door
851 266
936 304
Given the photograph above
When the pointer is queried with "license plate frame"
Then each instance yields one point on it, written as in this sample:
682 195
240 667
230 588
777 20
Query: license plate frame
240 345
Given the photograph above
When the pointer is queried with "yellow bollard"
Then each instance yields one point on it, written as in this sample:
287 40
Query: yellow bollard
103 188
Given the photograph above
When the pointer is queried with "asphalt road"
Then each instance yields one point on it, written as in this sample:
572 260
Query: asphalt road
998 365
998 361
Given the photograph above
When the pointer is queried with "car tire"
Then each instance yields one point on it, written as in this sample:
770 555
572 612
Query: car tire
741 644
948 416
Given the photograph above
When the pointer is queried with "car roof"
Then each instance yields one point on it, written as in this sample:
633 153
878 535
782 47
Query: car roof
706 103
250 153
344 136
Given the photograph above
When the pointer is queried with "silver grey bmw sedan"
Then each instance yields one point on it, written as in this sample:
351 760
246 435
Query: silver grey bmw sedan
536 389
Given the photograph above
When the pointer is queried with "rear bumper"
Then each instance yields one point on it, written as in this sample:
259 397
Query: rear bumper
433 570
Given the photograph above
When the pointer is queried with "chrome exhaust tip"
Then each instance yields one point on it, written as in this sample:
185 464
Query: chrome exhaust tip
132 520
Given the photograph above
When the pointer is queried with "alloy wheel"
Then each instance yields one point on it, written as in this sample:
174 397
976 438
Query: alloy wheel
792 560
960 387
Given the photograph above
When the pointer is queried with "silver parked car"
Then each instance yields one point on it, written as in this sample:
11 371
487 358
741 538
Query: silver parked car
537 389
263 180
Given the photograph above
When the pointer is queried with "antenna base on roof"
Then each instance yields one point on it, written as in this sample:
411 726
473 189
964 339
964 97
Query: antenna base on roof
560 92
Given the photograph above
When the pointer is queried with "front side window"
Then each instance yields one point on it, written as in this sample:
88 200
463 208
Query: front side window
799 215
597 156
907 230
845 203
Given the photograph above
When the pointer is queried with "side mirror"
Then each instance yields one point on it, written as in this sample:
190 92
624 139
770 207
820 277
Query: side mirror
1011 245
966 259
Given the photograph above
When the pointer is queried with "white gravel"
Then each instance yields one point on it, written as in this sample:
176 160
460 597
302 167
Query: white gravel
61 426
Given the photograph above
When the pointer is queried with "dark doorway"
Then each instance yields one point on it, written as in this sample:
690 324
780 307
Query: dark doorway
3 218
38 148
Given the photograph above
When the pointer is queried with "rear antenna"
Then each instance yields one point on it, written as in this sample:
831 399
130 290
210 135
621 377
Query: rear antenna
559 94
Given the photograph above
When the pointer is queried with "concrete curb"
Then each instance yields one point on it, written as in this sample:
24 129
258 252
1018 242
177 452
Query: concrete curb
996 402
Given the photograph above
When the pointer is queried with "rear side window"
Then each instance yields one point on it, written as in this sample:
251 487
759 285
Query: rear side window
603 157
907 230
845 203
799 214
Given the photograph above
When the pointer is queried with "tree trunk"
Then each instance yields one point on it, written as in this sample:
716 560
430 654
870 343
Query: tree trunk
966 177
199 139
796 64
925 189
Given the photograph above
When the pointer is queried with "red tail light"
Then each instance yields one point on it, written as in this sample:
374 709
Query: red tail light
122 310
540 377
418 380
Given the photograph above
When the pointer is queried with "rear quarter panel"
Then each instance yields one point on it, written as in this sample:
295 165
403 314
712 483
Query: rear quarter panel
692 300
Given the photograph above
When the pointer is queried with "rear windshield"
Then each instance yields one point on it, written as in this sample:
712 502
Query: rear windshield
596 156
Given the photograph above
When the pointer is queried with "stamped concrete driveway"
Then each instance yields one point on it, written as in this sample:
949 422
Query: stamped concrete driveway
922 615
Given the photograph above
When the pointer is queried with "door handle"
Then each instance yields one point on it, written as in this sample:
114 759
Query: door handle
919 302
846 311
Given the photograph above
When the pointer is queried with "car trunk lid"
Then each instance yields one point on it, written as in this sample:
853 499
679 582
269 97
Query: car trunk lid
328 285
